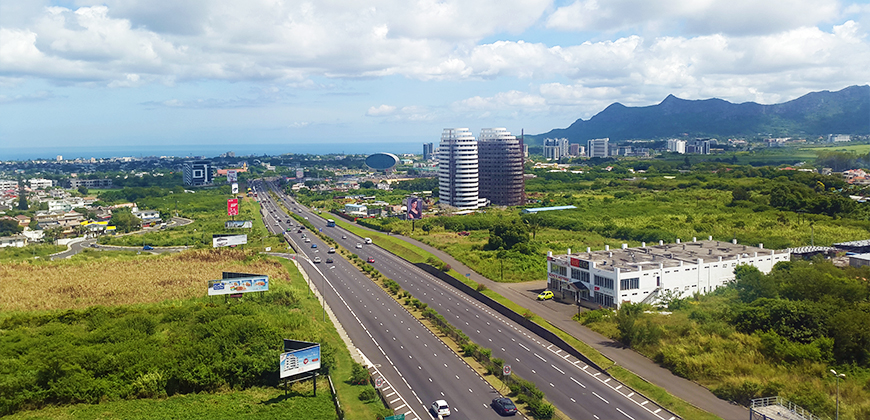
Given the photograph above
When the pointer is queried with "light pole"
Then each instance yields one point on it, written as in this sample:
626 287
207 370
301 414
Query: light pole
838 376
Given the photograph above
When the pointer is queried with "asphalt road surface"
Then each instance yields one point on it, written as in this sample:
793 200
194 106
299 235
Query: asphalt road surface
578 390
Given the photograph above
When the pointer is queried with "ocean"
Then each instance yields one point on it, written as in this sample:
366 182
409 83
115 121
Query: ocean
206 150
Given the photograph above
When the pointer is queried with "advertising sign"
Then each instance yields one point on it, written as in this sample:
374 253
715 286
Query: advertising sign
575 262
300 361
415 208
235 188
300 174
232 176
238 285
233 207
228 240
239 224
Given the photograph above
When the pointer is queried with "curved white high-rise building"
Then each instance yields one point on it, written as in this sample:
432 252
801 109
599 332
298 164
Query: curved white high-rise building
457 169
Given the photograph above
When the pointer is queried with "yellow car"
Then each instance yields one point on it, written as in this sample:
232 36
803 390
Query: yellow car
546 294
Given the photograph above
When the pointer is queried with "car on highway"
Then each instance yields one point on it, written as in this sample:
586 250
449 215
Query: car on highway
307 240
147 247
370 260
314 245
331 251
317 259
329 260
358 245
504 406
440 408
343 236
368 241
545 295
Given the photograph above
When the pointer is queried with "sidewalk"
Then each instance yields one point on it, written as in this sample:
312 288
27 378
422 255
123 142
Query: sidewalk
560 315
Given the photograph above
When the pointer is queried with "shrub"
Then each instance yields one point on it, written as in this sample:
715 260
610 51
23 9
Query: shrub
445 268
367 394
481 287
358 374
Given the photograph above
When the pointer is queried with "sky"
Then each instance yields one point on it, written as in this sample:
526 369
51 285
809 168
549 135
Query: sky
375 73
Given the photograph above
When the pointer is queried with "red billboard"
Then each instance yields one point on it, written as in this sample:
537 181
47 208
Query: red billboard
575 262
233 207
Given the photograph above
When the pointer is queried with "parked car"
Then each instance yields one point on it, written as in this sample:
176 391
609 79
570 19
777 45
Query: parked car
440 408
504 406
545 295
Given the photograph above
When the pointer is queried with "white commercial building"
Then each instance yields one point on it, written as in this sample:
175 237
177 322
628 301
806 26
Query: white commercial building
458 169
6 184
598 148
555 149
609 278
678 146
40 183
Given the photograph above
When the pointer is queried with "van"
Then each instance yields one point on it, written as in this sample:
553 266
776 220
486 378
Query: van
368 241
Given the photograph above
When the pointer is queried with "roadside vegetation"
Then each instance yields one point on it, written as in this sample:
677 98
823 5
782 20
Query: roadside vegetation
764 335
32 251
129 331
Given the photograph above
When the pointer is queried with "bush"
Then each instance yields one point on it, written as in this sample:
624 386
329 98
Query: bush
358 374
481 287
368 393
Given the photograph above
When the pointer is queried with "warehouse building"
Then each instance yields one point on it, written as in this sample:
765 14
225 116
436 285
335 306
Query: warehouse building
646 274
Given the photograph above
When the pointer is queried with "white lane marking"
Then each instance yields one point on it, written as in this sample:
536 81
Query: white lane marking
623 413
600 397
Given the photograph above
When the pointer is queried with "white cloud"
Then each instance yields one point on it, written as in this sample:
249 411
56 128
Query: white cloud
503 100
381 111
734 17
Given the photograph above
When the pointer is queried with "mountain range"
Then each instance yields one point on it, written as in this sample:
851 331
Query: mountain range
845 111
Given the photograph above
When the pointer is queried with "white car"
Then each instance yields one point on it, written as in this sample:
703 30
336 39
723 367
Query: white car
440 408
317 259
331 251
307 240
358 245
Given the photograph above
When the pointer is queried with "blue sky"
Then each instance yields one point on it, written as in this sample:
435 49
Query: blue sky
214 72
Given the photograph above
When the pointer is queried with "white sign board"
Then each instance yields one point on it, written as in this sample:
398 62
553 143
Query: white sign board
232 176
235 188
228 240
300 361
238 285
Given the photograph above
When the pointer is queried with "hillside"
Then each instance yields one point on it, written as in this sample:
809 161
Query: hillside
818 113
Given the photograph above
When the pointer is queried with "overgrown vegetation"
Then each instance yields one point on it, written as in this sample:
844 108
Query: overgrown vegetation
765 335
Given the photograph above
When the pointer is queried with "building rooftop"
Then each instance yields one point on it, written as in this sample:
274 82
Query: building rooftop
535 210
668 255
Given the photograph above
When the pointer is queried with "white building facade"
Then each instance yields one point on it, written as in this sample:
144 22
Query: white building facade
609 278
678 146
458 169
555 149
40 183
598 147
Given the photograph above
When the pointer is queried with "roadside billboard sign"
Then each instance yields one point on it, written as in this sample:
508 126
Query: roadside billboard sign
232 176
233 207
239 224
296 361
235 188
300 174
415 207
238 285
228 240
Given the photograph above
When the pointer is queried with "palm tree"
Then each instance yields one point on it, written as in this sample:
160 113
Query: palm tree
533 222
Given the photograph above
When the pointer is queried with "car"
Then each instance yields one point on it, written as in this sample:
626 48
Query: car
307 240
440 408
343 236
368 241
545 295
331 251
504 406
314 245
306 217
358 245
329 260
317 259
370 260
147 247
299 231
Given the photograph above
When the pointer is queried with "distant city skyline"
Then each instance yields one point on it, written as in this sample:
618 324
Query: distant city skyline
225 75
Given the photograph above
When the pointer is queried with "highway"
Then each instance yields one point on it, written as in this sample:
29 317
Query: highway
416 364
578 390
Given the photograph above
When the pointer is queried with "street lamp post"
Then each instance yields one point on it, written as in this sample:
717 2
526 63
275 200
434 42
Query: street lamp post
838 376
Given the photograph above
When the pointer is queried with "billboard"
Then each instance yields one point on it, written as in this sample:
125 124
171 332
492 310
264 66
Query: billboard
232 176
238 285
235 188
296 361
239 224
228 240
415 206
232 207
300 174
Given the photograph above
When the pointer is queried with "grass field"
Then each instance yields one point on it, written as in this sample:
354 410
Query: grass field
8 254
163 295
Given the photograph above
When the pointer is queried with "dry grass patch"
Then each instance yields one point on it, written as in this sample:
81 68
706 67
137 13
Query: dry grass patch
122 279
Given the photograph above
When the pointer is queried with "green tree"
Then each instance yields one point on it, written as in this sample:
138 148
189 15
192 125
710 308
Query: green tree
367 184
752 284
83 190
124 220
9 227
506 235
533 223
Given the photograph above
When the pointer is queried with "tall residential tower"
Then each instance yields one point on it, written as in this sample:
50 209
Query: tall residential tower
458 170
500 156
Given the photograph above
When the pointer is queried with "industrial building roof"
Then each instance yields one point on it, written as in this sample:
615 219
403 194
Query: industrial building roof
535 210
